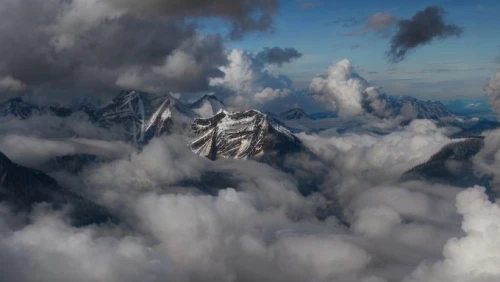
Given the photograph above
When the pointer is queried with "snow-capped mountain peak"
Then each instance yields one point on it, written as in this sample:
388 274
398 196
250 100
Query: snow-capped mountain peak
241 135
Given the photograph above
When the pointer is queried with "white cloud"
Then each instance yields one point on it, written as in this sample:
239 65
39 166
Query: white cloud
376 221
492 88
322 258
239 75
375 158
248 82
343 90
487 161
269 94
8 83
35 151
474 257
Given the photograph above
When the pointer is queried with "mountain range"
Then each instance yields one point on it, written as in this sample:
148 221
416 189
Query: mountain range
136 117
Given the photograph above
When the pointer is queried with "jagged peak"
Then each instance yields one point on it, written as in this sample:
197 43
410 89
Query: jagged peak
240 135
223 113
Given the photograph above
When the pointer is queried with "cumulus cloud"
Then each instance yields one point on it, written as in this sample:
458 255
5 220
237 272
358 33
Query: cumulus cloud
269 94
344 90
492 89
473 257
379 22
421 29
248 82
487 161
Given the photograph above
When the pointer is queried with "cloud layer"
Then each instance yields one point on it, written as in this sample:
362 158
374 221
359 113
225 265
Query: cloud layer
186 218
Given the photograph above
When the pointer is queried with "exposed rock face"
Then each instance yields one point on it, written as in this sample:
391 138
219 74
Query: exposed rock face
240 135
143 116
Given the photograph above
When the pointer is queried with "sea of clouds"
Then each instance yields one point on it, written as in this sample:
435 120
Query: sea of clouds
251 223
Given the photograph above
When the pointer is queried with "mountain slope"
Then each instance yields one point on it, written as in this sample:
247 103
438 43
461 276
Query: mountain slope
418 109
141 115
451 165
18 108
74 163
23 187
240 135
293 114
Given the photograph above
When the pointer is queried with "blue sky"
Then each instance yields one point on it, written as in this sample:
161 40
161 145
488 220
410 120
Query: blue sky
452 68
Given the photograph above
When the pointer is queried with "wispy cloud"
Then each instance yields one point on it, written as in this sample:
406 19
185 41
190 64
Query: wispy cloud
308 4
379 22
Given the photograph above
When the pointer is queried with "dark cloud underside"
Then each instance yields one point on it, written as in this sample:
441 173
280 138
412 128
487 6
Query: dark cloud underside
421 29
244 15
108 44
279 56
